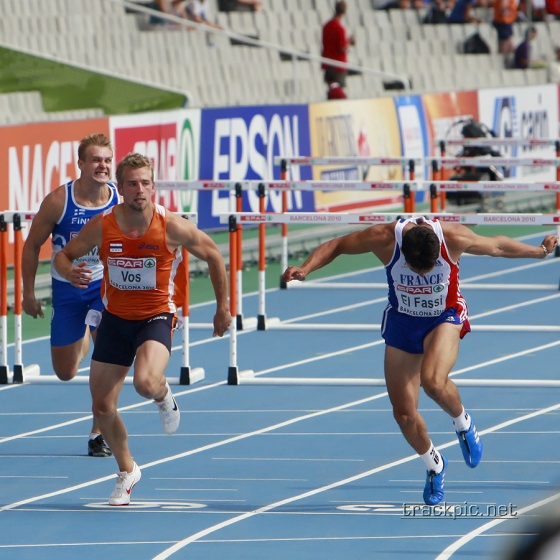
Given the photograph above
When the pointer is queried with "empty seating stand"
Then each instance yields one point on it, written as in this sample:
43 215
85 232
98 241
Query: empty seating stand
220 73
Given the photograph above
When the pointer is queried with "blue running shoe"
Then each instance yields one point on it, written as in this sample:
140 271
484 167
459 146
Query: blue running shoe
433 491
471 446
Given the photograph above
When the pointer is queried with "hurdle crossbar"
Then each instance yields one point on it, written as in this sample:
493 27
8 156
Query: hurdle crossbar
318 218
383 286
497 186
285 326
248 378
448 161
344 160
475 142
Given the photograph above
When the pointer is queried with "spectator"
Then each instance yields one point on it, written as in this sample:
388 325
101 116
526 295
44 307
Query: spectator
335 90
199 12
336 44
240 5
436 12
163 6
522 57
554 68
462 12
505 15
552 9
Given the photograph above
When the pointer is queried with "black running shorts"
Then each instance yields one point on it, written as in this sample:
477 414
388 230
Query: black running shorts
118 339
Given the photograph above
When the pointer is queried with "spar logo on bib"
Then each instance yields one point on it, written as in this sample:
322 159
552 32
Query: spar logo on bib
439 288
132 274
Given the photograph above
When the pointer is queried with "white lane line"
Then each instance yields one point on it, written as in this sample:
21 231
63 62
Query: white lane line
264 509
195 451
451 549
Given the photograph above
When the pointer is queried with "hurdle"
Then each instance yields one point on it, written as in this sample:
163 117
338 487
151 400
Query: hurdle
409 195
32 373
373 219
408 188
248 377
439 163
235 189
20 371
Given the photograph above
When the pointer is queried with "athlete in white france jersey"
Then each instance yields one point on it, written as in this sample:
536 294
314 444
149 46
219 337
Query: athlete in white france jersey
424 321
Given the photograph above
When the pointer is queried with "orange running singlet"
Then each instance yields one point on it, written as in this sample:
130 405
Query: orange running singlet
138 273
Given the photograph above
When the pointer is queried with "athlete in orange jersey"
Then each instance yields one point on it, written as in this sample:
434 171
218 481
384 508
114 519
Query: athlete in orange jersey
140 246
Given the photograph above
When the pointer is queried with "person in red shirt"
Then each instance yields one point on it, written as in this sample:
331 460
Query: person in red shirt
336 43
335 90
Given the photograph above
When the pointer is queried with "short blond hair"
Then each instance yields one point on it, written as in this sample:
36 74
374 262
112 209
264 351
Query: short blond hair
133 161
93 140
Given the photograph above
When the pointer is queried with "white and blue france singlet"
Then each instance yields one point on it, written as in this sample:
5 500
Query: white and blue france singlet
73 218
429 295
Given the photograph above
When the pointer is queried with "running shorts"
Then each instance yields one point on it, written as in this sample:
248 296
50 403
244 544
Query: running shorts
407 333
118 339
70 306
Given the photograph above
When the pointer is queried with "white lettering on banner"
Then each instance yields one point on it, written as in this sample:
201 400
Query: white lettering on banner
509 219
243 144
29 181
534 124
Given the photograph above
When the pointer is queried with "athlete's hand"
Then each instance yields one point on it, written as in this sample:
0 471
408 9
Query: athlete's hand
80 276
32 306
293 273
550 242
222 321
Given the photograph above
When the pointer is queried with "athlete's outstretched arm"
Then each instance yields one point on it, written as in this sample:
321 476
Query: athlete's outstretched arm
376 239
461 239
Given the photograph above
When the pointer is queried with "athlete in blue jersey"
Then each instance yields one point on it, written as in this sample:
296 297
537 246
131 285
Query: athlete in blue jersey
424 321
61 216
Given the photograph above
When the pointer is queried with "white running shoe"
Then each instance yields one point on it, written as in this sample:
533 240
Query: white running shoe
169 413
125 483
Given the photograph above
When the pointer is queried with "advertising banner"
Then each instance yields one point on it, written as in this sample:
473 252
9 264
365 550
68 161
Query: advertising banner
349 129
523 112
37 158
170 139
414 133
238 143
445 115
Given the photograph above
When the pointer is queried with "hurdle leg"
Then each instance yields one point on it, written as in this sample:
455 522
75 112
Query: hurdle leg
3 301
232 378
284 227
261 317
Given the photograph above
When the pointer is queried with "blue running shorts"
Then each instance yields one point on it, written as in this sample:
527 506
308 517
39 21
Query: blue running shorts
70 307
407 333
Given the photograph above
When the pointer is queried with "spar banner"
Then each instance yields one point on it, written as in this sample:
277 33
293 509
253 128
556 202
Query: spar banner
523 112
37 158
240 143
355 129
446 114
171 140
